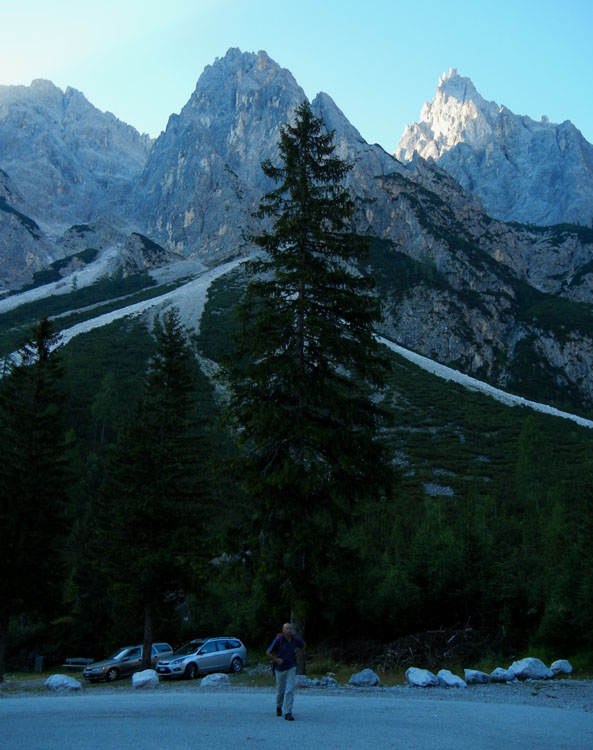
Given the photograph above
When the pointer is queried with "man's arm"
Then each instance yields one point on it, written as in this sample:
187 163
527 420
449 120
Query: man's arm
270 653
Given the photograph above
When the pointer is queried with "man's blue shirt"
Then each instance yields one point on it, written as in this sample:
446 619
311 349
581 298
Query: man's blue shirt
286 651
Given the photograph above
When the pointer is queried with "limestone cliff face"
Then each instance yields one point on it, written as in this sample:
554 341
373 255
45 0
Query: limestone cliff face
489 297
24 247
432 217
522 170
70 161
203 178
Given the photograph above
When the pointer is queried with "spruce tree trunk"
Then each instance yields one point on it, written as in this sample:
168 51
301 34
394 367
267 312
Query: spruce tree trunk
3 631
147 646
297 620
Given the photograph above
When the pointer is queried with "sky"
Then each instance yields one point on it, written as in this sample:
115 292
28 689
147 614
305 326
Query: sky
378 60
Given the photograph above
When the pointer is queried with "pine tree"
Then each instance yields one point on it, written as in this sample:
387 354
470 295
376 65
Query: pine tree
32 480
152 498
301 376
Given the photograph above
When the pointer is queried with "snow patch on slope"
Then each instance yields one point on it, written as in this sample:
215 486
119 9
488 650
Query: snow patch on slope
447 373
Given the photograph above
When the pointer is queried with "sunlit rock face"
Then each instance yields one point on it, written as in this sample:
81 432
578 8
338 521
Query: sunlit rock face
522 170
203 178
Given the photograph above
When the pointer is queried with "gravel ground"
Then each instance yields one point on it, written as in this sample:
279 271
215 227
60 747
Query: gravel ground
569 694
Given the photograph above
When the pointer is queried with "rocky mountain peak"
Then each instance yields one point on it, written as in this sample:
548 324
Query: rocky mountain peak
70 160
458 87
522 170
42 87
457 114
204 171
237 80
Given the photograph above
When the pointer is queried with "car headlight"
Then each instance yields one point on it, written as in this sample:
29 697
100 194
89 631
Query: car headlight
177 661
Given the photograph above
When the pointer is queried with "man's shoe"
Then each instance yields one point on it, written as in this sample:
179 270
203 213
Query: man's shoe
278 711
289 717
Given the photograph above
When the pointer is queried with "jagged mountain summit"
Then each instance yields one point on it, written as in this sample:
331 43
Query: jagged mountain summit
203 179
70 161
522 170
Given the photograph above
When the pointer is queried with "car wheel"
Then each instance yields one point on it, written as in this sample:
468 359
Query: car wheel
236 665
191 671
112 674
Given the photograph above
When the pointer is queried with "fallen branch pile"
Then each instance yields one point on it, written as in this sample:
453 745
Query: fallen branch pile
431 649
437 649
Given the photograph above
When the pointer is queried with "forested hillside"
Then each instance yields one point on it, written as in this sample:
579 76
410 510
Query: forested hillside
489 523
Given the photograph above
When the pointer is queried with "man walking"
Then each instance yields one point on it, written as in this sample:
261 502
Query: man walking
282 652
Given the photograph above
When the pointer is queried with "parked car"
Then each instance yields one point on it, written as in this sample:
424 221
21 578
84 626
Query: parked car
220 654
123 662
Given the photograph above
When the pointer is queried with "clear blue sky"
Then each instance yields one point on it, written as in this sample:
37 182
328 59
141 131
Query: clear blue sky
379 61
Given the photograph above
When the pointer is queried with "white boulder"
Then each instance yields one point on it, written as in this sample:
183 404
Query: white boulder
59 682
448 679
474 677
329 681
146 679
215 680
501 675
421 677
561 666
366 678
531 669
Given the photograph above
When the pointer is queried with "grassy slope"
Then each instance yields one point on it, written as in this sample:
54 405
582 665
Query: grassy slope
444 434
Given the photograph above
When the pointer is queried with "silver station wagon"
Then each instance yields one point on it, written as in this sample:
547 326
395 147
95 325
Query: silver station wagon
220 654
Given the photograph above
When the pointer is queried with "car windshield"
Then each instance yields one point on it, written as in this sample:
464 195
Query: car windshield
189 648
120 653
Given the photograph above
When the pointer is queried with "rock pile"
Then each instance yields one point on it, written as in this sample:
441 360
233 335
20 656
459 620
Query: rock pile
329 681
524 669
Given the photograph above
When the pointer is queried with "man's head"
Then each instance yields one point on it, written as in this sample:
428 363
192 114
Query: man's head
287 630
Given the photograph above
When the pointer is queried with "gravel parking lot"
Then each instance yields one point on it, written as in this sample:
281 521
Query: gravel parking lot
550 715
570 694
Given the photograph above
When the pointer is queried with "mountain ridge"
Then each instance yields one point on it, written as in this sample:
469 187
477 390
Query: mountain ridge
475 285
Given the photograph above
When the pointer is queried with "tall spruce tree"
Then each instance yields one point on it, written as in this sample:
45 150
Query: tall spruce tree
32 481
306 371
153 495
